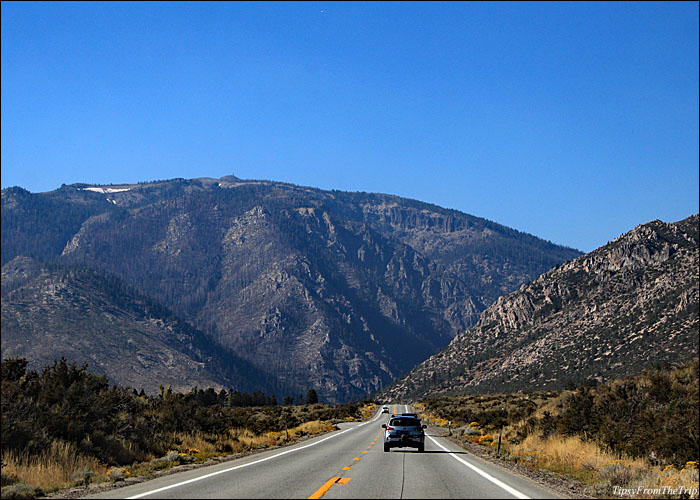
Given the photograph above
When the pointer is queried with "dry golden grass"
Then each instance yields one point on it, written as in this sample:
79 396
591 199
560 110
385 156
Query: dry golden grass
196 441
251 441
569 453
53 469
604 473
316 427
237 440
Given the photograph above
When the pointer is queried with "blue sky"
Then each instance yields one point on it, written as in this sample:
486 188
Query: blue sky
574 122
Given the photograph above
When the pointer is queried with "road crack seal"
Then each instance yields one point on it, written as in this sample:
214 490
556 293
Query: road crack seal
403 474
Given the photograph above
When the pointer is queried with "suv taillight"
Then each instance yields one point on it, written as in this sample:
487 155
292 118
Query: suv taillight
389 428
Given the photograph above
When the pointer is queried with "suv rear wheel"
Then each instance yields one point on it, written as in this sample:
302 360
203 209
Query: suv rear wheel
386 447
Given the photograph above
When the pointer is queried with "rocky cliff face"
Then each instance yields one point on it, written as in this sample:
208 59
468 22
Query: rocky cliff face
604 315
340 292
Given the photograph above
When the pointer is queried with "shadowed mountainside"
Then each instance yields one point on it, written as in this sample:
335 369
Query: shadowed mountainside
77 313
607 314
340 292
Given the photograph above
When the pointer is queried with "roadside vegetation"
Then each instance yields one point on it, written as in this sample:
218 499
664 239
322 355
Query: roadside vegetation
64 427
636 437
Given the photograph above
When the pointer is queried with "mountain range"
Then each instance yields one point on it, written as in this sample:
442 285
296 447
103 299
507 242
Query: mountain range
629 305
249 284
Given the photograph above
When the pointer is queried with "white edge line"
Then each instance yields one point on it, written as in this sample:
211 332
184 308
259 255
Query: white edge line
483 474
199 478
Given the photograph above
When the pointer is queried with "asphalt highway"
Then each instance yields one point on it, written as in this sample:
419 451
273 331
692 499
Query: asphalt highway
349 463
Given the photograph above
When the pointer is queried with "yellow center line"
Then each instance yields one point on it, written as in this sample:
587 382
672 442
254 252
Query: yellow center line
327 486
323 489
338 480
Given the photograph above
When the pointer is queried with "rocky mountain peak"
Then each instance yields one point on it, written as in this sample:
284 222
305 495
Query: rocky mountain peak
605 314
336 291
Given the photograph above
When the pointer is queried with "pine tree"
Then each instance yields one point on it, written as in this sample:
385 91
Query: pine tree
311 397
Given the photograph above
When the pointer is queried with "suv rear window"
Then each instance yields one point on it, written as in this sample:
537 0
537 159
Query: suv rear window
405 422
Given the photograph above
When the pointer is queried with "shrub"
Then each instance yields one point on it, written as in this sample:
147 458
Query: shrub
472 431
615 474
116 475
486 439
171 459
21 490
82 477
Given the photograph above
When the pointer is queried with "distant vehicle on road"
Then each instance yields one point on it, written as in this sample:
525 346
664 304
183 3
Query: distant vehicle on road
385 409
404 430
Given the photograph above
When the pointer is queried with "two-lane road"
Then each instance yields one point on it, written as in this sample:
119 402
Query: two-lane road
349 463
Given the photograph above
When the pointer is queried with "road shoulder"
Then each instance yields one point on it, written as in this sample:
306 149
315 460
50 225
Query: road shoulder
559 484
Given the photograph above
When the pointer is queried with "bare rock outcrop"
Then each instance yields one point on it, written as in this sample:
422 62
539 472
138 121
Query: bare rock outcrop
607 314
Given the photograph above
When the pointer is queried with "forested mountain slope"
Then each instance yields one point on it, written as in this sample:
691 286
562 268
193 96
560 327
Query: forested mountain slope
341 292
77 313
